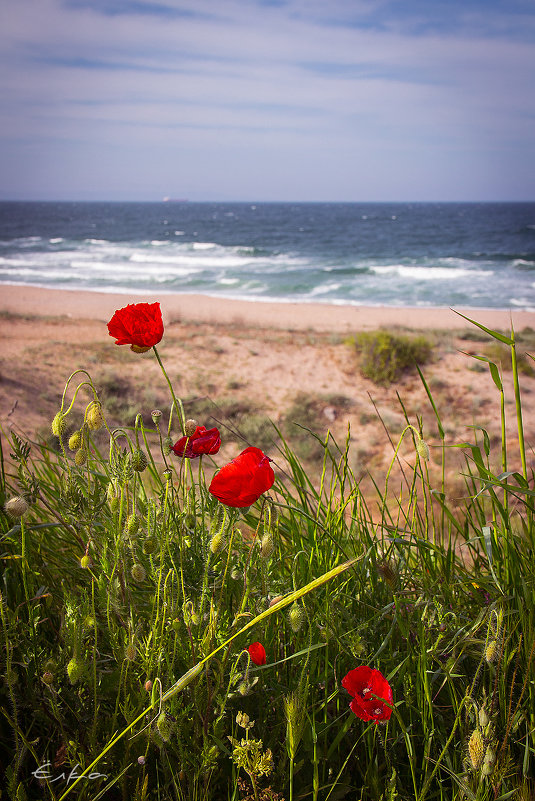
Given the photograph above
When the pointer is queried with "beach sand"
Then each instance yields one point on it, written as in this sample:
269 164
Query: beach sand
286 362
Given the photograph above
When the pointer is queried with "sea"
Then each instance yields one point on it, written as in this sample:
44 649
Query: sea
475 255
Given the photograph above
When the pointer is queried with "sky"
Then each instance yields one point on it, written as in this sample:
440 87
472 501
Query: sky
267 100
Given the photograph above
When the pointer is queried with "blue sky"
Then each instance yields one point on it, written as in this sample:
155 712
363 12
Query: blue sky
320 100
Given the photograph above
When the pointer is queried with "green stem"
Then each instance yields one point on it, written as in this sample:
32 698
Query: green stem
179 408
518 403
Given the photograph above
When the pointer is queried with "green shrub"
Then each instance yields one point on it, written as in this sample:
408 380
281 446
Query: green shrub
384 357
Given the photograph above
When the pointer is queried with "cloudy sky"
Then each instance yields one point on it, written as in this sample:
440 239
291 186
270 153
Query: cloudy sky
333 100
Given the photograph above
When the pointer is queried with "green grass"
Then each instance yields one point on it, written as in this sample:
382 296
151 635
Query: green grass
385 356
133 665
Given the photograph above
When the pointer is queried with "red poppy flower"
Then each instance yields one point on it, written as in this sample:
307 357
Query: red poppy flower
139 325
241 482
370 690
257 652
200 442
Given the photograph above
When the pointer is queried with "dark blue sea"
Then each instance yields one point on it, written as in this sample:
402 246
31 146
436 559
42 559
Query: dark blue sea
479 255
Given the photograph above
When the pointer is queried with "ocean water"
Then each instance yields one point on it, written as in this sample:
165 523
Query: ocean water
479 255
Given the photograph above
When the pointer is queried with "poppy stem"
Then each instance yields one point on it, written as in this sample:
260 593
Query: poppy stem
179 408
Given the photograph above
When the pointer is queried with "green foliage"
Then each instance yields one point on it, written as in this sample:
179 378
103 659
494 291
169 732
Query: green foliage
125 629
384 356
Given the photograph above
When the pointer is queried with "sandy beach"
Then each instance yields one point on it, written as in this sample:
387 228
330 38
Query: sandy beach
241 363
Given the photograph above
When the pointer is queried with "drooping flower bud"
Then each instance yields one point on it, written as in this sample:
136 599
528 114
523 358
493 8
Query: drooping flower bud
167 444
296 617
94 417
59 425
75 441
217 543
165 727
130 652
149 545
267 546
139 460
75 670
85 561
423 449
132 525
80 457
476 749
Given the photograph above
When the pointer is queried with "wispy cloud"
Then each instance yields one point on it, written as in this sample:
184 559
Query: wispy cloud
301 96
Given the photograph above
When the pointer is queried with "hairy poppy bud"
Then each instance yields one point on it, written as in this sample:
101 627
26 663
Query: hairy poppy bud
94 417
80 457
217 543
296 617
48 677
139 460
190 427
130 652
85 561
167 445
149 545
132 525
59 425
75 670
165 727
138 572
16 507
423 449
267 547
476 749
148 686
75 441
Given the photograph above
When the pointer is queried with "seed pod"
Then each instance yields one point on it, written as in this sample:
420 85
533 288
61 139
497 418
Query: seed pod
48 677
139 460
156 415
138 572
190 427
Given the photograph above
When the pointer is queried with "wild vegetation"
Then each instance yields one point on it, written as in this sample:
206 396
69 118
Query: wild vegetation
161 644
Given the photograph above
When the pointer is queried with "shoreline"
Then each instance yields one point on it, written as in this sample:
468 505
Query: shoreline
197 308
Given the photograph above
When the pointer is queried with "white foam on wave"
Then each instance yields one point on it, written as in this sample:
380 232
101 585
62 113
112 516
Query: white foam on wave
428 273
204 245
523 264
56 240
